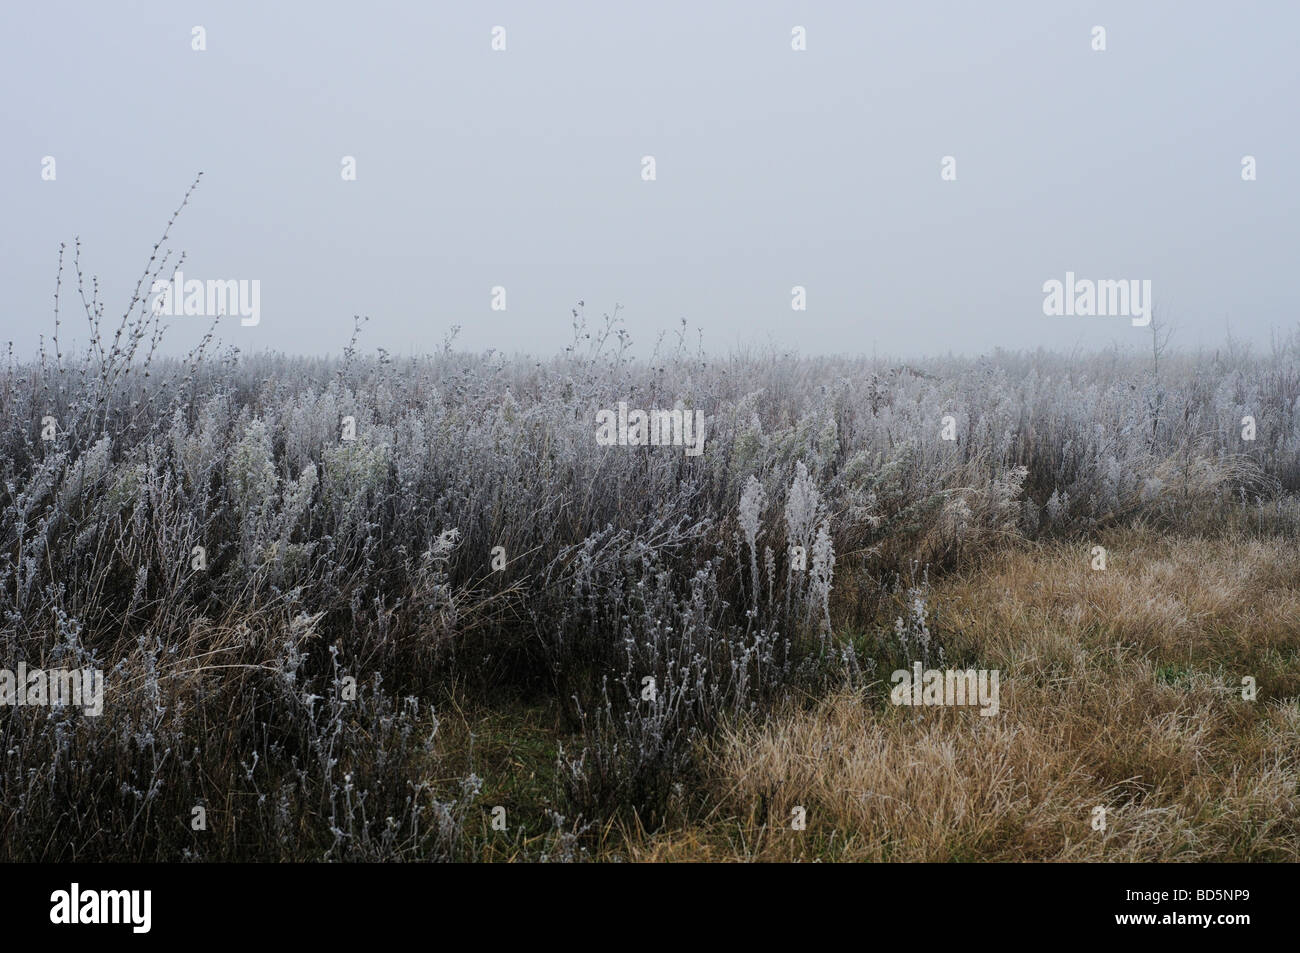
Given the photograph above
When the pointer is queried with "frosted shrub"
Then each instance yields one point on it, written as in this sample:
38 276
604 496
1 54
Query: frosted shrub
310 425
254 485
912 629
822 575
803 512
199 452
751 511
803 507
1058 507
353 473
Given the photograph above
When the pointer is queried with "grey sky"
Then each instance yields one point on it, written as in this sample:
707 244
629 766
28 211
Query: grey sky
775 168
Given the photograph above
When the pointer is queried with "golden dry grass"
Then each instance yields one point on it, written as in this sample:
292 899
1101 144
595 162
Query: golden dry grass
1119 689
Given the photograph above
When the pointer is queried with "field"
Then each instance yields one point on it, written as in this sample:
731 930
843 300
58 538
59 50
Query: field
412 609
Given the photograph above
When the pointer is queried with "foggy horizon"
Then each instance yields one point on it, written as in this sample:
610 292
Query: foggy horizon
521 168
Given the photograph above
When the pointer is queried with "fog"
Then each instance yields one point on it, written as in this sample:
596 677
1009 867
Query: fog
520 170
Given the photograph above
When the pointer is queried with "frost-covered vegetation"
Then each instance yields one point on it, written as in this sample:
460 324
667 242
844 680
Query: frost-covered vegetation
326 559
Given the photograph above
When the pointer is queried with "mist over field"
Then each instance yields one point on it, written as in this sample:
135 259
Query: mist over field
854 433
521 167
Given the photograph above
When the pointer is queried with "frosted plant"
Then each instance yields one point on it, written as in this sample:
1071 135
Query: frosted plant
803 506
293 507
751 512
82 477
433 592
913 629
254 484
822 574
769 569
957 517
803 510
353 472
1057 507
445 542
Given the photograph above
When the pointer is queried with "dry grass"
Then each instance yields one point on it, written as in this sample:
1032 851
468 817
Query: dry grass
1119 689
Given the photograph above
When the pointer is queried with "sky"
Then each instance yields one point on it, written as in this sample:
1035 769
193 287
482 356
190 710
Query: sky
823 168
